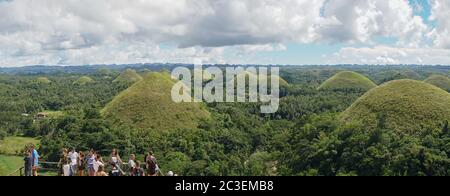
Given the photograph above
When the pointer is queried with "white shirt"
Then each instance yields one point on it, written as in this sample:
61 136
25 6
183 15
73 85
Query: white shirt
66 170
114 159
131 164
73 156
97 164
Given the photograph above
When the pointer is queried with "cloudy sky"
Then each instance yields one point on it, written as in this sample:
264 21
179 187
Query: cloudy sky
79 32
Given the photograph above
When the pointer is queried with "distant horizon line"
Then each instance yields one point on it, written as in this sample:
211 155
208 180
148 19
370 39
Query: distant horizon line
223 64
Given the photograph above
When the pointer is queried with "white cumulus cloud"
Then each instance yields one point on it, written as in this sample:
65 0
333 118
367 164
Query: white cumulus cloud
441 15
360 21
129 31
385 55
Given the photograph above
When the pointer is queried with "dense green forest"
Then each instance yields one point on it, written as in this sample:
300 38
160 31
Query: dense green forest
305 137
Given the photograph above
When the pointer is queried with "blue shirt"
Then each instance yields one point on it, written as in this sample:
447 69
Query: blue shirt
35 158
91 160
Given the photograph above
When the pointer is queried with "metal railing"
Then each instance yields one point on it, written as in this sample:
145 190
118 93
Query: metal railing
20 170
54 167
40 168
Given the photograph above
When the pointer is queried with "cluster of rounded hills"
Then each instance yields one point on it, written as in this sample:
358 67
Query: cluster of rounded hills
148 102
404 105
84 80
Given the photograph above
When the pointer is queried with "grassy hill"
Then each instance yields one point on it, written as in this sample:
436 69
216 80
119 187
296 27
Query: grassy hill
43 80
439 81
391 75
15 145
282 81
84 81
348 80
128 76
148 104
9 164
401 105
11 149
104 71
409 74
144 72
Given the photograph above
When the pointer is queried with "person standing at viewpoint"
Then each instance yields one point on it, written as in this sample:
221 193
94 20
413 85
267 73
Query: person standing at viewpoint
35 157
28 163
81 163
73 156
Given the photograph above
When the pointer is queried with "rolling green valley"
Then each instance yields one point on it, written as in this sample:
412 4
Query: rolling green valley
332 121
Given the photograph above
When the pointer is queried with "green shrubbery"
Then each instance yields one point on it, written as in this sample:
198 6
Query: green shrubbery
320 147
305 137
2 135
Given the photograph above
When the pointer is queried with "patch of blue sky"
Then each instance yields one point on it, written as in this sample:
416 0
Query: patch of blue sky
383 40
166 46
423 8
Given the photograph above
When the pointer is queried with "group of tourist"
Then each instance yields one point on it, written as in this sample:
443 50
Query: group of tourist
73 163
